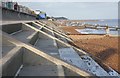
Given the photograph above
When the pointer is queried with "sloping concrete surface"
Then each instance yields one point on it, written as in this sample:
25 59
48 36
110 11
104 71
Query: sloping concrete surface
39 70
6 47
23 35
48 57
47 46
69 55
44 58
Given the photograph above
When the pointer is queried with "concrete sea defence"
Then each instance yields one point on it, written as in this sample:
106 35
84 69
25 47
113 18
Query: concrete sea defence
39 50
27 53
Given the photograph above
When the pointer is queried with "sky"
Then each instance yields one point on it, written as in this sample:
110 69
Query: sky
67 0
77 10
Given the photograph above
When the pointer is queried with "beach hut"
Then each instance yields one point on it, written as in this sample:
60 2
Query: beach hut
42 15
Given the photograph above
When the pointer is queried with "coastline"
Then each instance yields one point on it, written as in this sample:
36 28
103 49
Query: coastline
103 47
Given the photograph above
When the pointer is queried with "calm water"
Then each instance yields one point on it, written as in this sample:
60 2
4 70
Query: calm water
91 31
109 22
97 31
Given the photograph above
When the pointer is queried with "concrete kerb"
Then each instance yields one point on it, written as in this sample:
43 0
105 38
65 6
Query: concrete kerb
56 39
48 57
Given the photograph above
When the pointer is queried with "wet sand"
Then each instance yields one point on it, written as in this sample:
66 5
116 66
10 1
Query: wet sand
64 22
71 30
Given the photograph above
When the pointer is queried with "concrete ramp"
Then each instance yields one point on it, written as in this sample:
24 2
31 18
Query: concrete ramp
61 43
37 51
31 59
69 55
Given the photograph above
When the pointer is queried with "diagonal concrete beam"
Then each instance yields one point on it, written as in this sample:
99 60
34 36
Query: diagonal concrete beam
10 54
50 28
81 51
54 32
57 61
48 57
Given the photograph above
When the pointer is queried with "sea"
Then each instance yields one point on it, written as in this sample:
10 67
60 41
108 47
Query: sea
108 22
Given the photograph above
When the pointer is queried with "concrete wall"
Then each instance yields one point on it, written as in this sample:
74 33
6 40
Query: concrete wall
15 15
10 28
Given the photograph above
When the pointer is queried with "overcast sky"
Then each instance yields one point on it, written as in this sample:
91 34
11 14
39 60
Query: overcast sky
77 10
